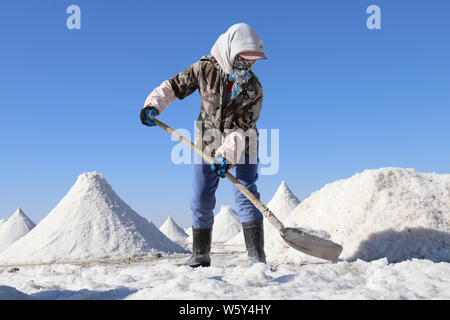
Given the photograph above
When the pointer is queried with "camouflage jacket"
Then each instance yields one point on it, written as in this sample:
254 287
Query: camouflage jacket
217 114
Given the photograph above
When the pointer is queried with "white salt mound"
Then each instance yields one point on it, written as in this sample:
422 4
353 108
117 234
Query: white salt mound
395 213
283 202
226 224
90 222
14 228
173 231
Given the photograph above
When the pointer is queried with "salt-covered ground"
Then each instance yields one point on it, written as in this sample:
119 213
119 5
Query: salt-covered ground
230 278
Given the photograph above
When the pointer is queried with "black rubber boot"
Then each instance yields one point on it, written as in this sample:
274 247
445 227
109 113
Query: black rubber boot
201 248
254 241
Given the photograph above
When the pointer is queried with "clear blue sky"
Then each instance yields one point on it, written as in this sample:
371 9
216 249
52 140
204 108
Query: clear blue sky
344 97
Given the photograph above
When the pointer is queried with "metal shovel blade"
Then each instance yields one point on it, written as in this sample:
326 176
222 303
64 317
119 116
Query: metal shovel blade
311 245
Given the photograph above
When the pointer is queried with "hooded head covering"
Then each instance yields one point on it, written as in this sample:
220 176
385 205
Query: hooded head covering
239 39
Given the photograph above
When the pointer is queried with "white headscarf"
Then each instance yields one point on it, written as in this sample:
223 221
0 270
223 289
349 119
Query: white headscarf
238 38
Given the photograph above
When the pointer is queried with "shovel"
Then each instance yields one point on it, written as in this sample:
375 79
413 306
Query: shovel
297 239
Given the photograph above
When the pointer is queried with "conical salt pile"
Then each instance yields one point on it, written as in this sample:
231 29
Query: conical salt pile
283 202
226 225
90 222
14 228
173 231
395 213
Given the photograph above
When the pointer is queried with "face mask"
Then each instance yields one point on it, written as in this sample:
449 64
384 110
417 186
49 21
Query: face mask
242 64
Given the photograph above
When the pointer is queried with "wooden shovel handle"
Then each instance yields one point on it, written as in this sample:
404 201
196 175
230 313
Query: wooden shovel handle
256 202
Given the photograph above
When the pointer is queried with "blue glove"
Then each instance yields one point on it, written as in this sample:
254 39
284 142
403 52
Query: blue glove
220 167
147 114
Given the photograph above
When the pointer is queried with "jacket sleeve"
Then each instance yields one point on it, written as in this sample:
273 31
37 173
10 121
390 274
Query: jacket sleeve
256 107
179 86
251 110
161 97
232 148
186 82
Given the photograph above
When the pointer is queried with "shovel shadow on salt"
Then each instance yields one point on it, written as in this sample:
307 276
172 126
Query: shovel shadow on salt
10 293
399 246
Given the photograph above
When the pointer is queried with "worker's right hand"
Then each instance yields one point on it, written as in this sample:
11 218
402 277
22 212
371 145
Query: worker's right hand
220 167
147 114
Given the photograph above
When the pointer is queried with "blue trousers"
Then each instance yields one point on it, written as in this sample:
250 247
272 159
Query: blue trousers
205 183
